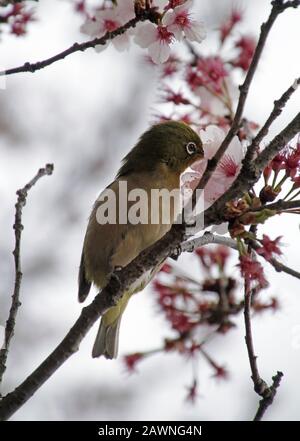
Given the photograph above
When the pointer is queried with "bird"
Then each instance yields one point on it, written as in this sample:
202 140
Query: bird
157 161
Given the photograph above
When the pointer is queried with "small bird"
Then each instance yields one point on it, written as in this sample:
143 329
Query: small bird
158 159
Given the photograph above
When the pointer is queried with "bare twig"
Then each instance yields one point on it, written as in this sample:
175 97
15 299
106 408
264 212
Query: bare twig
280 267
277 206
207 238
76 47
260 386
18 227
268 400
277 144
277 109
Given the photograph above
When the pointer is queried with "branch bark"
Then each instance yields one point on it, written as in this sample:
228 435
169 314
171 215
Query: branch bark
277 8
121 280
18 227
154 255
277 110
260 386
76 47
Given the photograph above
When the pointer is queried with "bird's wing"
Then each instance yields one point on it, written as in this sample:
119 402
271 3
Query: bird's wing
111 245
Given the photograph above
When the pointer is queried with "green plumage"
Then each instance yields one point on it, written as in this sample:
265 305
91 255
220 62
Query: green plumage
156 162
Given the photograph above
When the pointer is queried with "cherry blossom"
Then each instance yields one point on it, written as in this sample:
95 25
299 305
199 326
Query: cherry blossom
132 360
108 20
17 17
209 72
246 46
180 22
227 27
269 247
175 24
226 171
252 272
157 39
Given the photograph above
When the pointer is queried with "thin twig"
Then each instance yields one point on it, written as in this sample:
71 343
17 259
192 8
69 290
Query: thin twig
260 386
277 206
277 144
76 47
277 110
267 401
207 238
18 227
280 267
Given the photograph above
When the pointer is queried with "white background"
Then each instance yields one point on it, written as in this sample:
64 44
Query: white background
83 114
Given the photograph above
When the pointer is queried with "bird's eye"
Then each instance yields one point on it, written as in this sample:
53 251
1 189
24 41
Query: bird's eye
191 148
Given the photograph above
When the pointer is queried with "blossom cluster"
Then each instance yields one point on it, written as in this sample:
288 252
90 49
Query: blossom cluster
172 23
199 308
16 17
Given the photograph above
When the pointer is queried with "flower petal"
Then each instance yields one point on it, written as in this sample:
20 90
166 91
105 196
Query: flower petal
195 31
121 42
159 52
145 35
177 31
92 28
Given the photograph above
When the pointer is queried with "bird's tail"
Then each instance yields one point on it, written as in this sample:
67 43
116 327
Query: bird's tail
107 340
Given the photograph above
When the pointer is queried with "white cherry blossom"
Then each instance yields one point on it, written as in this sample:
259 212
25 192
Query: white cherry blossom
181 22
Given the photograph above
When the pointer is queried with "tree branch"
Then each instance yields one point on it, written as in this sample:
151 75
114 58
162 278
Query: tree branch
280 267
76 47
268 400
277 8
207 238
154 255
18 227
278 206
260 386
248 177
121 280
277 144
277 109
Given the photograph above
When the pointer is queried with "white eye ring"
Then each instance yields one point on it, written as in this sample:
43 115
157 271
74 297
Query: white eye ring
191 148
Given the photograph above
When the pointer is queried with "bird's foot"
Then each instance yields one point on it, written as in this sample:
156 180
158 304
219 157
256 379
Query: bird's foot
176 252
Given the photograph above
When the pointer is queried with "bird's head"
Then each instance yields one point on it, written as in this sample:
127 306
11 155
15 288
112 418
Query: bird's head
172 143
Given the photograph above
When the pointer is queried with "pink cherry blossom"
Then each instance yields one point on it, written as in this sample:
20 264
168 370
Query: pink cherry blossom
175 24
157 39
209 72
226 171
108 20
246 46
180 22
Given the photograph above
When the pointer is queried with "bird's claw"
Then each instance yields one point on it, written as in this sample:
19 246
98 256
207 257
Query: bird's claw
176 252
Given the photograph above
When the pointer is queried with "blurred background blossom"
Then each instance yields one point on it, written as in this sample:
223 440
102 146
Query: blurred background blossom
83 114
